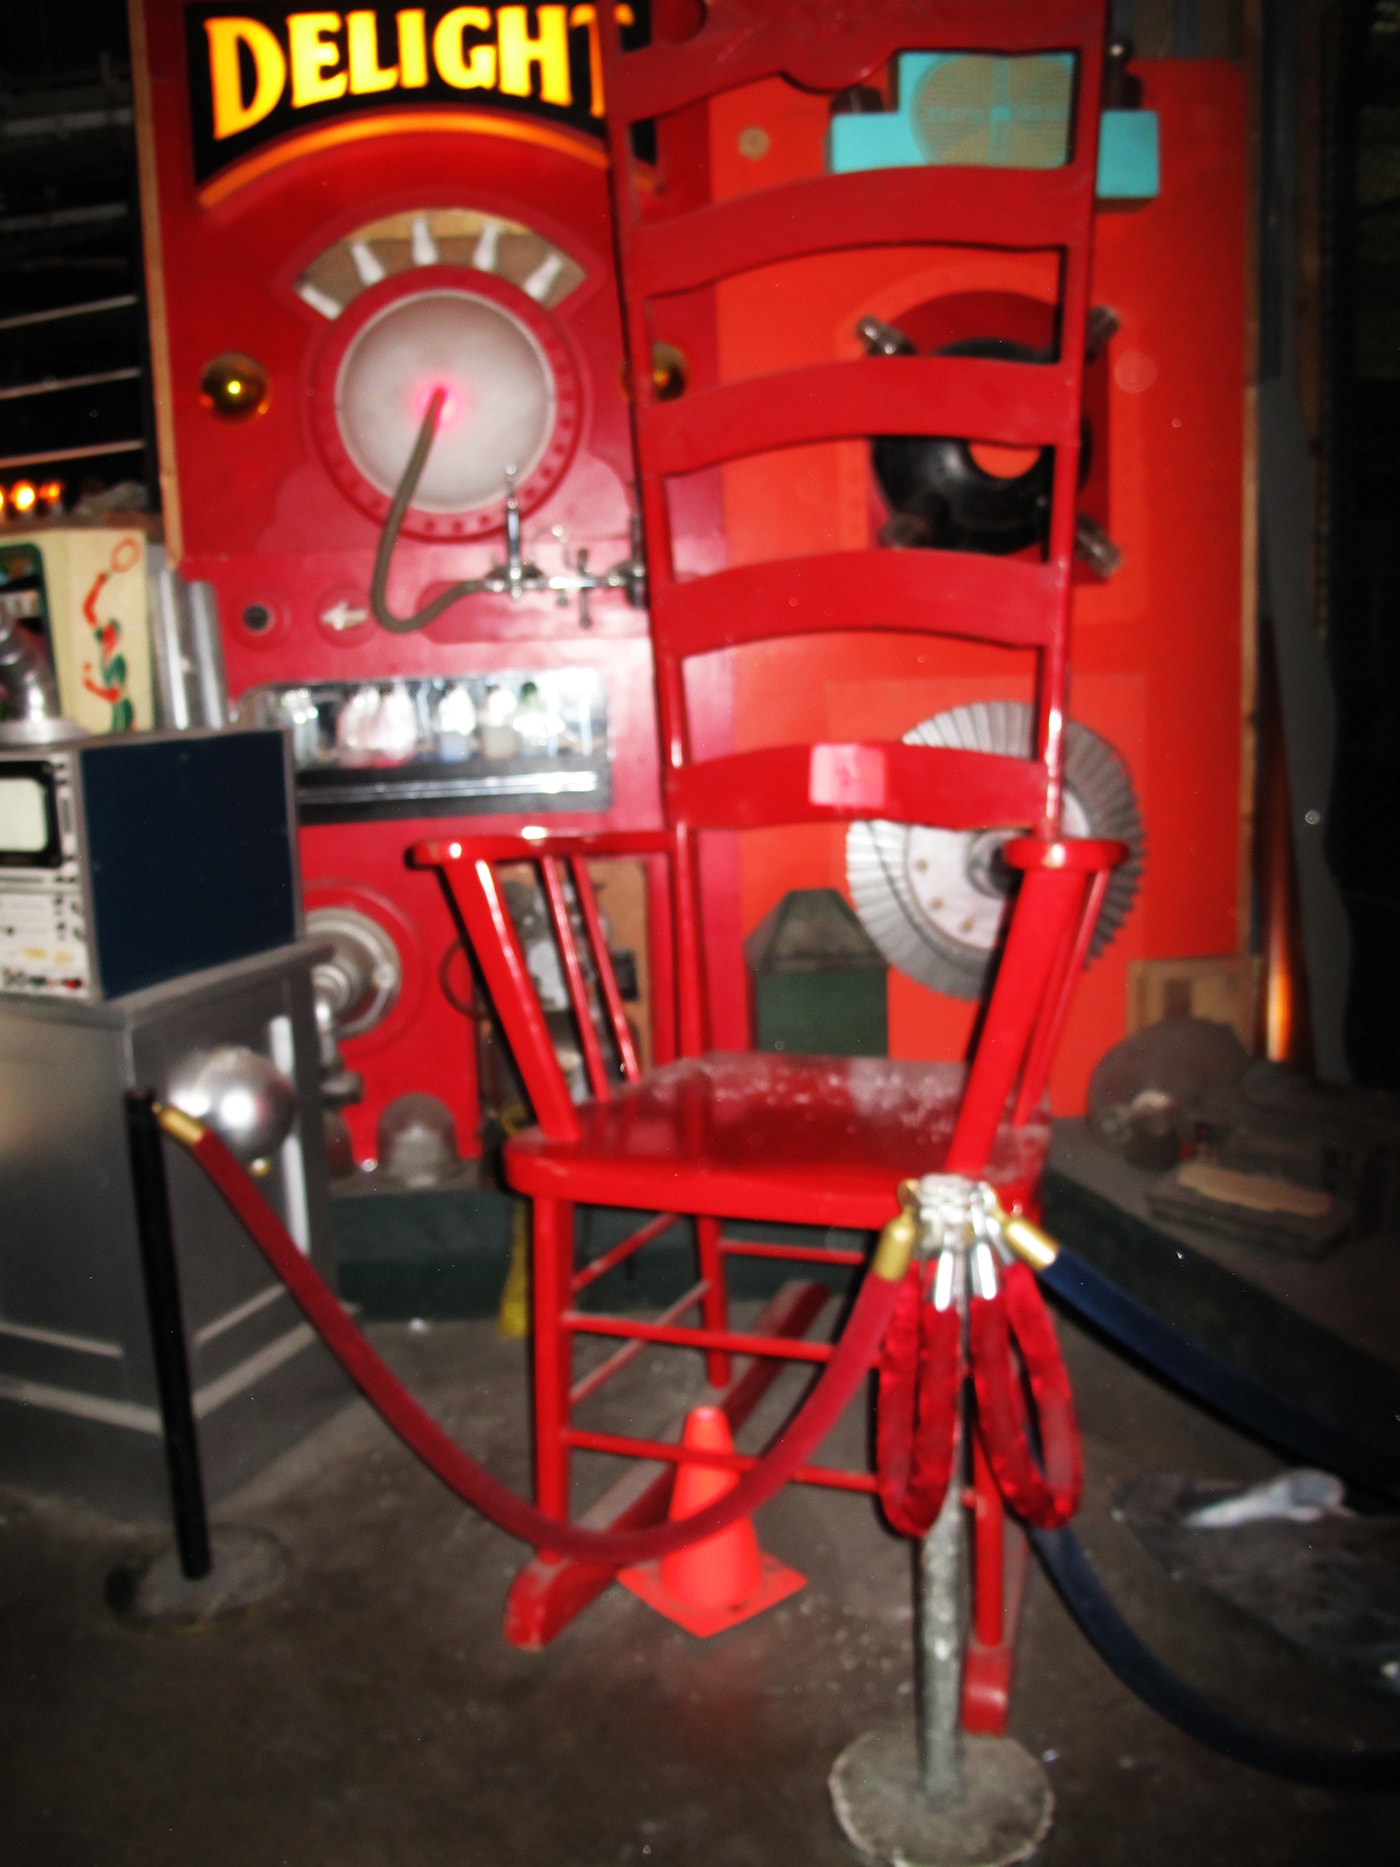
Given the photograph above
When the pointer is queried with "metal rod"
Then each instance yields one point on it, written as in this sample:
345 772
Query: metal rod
95 452
586 1323
827 1477
942 1639
102 212
52 385
942 1611
69 311
162 1281
68 123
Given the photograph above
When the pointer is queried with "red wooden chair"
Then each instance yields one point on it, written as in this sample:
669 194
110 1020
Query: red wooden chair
726 1138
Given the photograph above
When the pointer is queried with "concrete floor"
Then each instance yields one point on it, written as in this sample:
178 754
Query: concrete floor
371 1716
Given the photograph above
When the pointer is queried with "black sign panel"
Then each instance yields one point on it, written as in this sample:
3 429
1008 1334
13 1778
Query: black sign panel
257 72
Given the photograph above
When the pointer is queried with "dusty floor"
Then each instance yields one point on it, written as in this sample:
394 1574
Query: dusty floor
371 1716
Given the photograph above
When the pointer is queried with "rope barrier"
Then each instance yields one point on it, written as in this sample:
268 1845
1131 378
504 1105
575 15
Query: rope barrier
922 1384
849 1364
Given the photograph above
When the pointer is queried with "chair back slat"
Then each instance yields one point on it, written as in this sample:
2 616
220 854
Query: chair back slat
835 213
977 599
946 785
1010 404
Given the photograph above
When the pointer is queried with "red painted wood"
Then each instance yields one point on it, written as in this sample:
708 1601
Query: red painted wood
973 207
742 41
841 783
550 1592
607 978
809 1140
1016 404
977 598
573 976
487 926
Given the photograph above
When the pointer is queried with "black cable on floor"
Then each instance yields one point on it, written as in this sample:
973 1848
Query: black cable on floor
1140 1669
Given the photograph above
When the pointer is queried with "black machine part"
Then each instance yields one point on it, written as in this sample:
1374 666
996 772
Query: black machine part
943 491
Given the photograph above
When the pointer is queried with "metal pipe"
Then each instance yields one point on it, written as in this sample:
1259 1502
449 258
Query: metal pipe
51 385
51 316
942 1639
94 451
162 1281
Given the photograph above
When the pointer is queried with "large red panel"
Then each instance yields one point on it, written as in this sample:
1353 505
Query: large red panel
272 510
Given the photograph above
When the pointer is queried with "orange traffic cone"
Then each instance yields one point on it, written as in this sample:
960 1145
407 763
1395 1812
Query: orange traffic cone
722 1581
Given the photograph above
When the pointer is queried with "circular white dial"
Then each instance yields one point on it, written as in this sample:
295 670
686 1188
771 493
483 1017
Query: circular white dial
499 398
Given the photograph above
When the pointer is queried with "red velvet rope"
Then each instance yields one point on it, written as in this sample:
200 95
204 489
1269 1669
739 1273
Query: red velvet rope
1045 1498
843 1374
920 1374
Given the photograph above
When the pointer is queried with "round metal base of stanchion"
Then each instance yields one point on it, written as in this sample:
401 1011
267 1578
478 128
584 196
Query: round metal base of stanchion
1000 1813
248 1567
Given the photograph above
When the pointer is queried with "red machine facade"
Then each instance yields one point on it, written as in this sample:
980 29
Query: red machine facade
319 187
1157 647
343 212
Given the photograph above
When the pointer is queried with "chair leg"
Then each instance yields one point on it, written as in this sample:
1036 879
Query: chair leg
552 1263
714 1305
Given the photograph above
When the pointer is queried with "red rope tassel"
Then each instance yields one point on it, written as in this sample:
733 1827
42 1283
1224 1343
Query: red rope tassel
1049 1497
920 1373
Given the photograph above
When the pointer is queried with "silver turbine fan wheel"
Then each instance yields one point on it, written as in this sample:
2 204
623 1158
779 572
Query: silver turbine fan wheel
933 901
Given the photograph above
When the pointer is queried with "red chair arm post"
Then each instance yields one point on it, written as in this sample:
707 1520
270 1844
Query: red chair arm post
1050 923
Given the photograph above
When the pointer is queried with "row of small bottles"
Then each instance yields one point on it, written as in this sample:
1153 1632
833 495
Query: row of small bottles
391 722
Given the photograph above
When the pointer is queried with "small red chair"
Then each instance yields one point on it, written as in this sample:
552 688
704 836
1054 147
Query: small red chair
724 1138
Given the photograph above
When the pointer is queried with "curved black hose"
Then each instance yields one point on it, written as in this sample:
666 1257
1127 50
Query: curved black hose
389 538
1272 1416
1170 1697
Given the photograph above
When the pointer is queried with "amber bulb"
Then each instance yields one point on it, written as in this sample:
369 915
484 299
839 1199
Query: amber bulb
51 495
234 387
22 496
669 372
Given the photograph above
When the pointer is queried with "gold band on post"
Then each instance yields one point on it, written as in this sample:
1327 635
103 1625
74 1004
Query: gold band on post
179 1126
895 1247
1031 1245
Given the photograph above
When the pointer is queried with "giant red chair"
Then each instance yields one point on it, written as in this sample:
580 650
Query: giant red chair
724 1138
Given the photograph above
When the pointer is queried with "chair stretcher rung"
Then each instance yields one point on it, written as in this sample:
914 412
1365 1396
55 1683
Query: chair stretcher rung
801 1254
774 1347
830 1476
619 1254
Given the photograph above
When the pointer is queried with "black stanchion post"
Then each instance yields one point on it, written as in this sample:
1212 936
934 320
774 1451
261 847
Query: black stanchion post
168 1335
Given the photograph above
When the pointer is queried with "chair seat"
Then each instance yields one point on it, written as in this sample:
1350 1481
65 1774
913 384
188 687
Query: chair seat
811 1140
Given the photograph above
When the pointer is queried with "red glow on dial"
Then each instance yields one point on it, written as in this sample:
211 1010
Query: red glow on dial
454 402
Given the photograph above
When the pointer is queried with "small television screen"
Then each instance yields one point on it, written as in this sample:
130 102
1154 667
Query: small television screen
26 823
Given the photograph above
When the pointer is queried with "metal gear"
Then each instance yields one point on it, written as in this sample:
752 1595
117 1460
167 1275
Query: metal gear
934 901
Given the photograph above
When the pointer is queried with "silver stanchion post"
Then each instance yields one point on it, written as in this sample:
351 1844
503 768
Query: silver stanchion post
934 1796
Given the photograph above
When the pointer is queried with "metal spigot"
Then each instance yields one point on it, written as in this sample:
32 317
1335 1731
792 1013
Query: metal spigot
519 574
